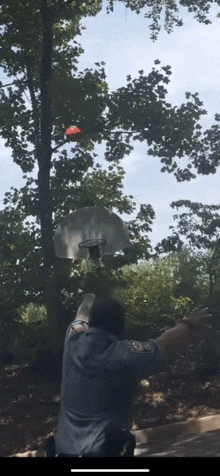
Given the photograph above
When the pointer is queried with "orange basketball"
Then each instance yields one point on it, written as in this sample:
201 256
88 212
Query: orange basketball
73 133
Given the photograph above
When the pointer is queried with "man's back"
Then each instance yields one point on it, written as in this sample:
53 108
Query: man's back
100 374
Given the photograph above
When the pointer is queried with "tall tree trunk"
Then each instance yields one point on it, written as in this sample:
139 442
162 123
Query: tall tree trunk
51 285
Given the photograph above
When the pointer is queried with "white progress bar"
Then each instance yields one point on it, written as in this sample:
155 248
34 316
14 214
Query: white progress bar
110 470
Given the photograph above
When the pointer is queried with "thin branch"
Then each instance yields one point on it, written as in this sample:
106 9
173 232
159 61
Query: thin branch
34 107
14 82
110 133
60 145
90 135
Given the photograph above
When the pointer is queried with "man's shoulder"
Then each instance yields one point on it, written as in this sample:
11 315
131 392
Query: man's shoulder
77 327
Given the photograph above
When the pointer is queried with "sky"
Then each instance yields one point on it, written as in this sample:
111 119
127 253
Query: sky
122 40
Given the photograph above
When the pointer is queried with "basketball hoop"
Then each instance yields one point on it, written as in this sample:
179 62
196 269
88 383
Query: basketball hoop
90 232
94 247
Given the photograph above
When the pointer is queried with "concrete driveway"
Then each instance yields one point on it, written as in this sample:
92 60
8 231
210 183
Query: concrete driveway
196 437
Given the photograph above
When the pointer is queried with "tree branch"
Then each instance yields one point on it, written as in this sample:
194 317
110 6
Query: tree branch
34 108
90 135
59 145
14 82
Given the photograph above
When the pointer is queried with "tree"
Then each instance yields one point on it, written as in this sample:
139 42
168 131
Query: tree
190 278
201 151
196 237
19 255
159 291
170 11
47 94
198 227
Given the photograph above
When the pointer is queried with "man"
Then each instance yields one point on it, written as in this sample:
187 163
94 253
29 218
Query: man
101 371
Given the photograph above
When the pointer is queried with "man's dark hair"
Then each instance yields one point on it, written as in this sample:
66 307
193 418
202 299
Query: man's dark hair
108 314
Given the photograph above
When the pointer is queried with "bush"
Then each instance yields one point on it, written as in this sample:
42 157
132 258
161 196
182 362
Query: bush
33 333
147 297
159 292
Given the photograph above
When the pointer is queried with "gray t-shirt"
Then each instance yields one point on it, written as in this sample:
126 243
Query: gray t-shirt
100 374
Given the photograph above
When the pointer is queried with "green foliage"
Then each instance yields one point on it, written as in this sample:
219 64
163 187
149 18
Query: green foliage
32 314
190 276
161 291
19 255
146 299
141 108
74 186
32 333
198 227
148 293
200 224
98 278
182 305
167 11
19 284
182 140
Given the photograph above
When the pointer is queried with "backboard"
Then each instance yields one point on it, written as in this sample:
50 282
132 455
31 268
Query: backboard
90 232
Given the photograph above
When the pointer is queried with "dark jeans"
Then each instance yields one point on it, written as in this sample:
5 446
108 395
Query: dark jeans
117 444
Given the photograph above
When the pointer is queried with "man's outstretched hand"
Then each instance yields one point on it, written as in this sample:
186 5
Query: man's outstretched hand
200 323
193 329
198 318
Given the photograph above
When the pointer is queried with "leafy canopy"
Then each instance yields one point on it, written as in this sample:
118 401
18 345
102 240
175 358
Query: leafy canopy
168 11
199 225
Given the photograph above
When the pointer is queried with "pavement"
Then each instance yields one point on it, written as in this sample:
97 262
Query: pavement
197 437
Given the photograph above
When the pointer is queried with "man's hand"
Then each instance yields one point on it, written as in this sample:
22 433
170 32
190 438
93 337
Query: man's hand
199 318
83 311
200 323
191 330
